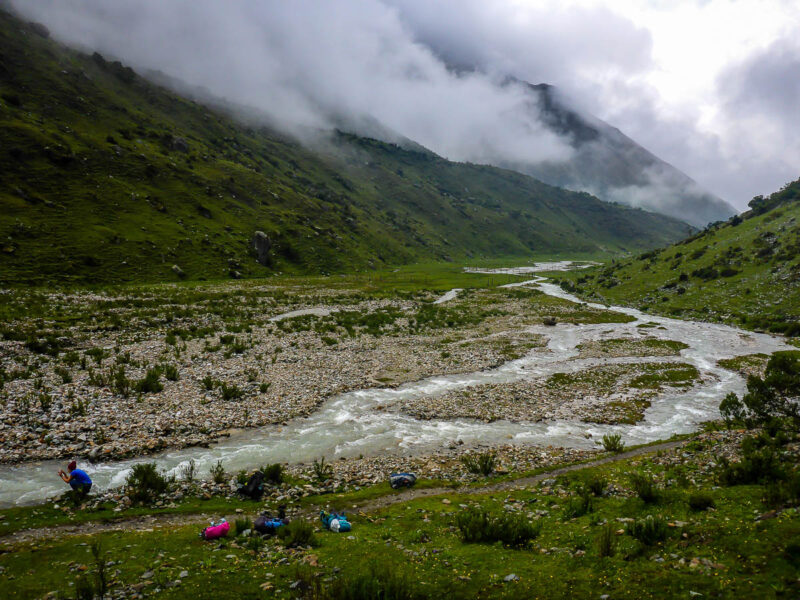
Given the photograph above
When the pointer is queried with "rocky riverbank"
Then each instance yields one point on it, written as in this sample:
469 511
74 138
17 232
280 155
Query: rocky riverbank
138 390
611 394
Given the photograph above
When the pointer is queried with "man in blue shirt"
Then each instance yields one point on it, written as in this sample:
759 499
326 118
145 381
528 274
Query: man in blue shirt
77 479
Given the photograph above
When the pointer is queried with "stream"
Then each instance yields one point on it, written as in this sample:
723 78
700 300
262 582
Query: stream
349 424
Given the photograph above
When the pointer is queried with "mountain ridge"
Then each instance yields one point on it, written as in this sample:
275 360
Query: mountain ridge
109 178
612 166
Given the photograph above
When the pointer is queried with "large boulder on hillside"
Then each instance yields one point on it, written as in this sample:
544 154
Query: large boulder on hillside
179 144
261 246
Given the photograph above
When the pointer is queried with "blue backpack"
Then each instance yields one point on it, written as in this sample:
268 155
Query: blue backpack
401 480
336 522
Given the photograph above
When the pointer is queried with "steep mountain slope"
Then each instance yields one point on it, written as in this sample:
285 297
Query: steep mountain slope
744 271
109 178
612 166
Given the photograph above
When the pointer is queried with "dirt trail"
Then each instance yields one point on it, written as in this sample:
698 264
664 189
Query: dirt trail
151 522
511 484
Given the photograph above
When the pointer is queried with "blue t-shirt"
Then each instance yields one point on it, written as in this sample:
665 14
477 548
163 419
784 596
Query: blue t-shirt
79 477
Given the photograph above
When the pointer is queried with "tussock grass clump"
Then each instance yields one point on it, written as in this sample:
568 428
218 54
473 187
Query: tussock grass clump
701 501
297 533
477 525
606 541
482 464
645 487
242 525
596 484
145 483
376 581
649 531
579 505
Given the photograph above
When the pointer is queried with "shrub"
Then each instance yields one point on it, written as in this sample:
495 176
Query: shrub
66 376
376 581
151 383
120 382
612 442
145 483
242 477
606 541
273 473
297 533
217 472
479 525
482 464
208 382
232 392
645 487
757 465
701 501
242 525
189 471
171 372
322 471
649 531
732 409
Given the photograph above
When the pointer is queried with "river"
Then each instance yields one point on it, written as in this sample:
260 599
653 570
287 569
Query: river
350 425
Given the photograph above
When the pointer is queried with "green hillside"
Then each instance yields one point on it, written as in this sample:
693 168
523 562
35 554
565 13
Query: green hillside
109 178
744 271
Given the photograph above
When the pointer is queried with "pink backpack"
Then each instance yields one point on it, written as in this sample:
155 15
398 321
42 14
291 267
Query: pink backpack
216 531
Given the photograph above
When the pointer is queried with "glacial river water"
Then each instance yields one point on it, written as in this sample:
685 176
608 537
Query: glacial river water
349 424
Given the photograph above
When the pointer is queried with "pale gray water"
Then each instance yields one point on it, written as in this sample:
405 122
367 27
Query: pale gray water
349 425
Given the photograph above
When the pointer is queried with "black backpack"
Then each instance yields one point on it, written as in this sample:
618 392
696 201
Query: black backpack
254 488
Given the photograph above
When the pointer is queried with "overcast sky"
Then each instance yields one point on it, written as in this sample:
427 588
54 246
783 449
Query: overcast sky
711 86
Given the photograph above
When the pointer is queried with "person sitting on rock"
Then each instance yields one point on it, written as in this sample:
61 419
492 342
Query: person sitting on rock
78 480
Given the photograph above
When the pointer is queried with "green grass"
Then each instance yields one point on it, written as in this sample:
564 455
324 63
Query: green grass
733 555
95 189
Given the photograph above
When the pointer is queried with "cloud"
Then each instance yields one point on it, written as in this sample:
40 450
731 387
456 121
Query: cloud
429 71
313 64
545 42
760 108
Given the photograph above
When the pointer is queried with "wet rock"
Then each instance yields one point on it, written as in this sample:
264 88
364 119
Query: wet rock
262 246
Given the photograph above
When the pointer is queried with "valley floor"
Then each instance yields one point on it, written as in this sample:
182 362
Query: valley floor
114 373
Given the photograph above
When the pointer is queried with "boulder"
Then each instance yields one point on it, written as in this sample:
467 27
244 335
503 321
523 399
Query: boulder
179 144
178 271
262 245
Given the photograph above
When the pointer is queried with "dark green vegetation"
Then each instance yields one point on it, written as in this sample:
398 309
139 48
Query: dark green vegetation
639 528
109 178
745 271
